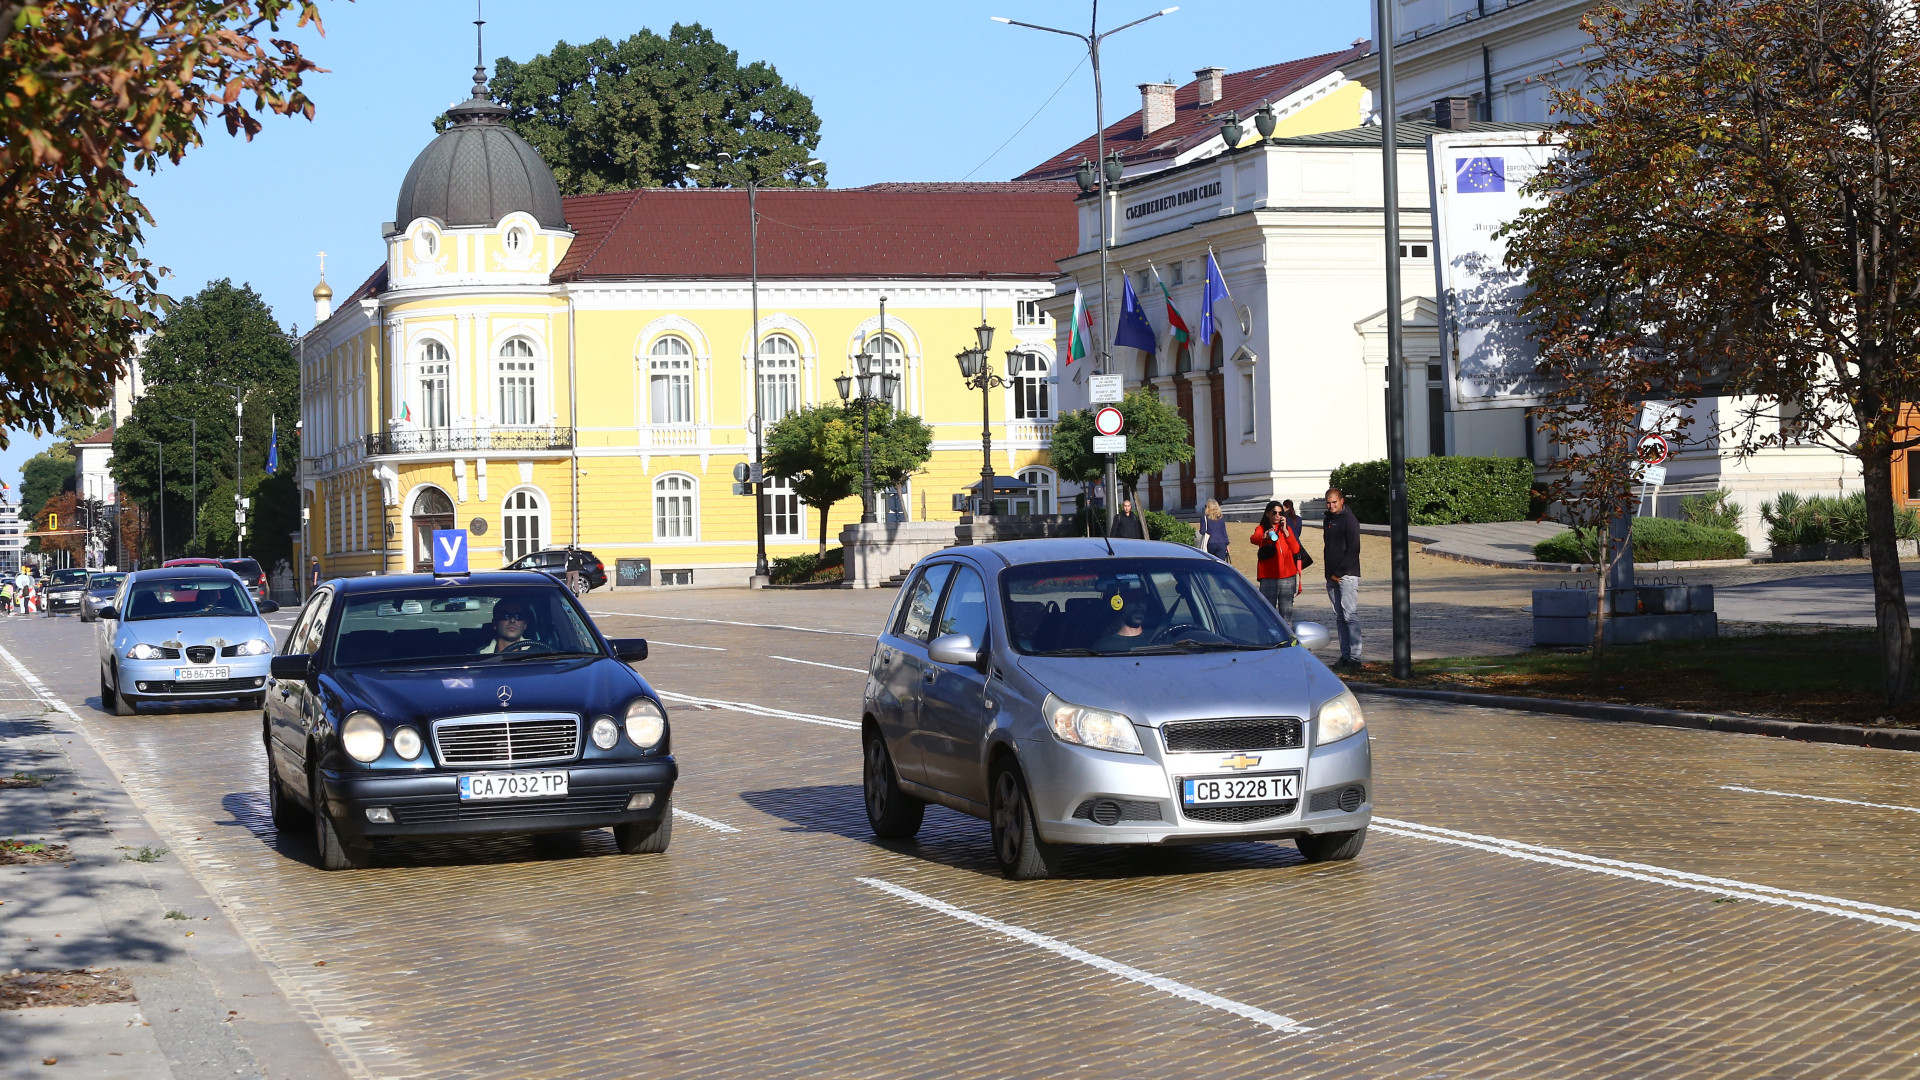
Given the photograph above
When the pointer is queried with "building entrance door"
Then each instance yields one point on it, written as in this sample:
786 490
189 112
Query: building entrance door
432 510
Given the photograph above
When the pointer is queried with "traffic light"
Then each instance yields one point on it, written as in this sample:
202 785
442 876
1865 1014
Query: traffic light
53 522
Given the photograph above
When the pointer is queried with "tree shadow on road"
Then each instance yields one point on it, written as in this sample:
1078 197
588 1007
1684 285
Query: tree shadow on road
249 810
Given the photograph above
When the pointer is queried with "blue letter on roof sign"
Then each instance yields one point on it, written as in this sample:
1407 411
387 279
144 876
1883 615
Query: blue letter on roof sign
449 551
1480 174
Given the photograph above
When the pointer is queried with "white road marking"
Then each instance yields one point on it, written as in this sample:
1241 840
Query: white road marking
816 663
677 645
1903 919
730 622
1275 1021
1819 798
716 826
761 710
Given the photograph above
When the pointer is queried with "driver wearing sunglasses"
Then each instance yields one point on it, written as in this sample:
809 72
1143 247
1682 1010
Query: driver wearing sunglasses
511 621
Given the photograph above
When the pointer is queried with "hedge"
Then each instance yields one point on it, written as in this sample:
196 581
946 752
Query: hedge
800 569
1442 490
1654 539
1091 521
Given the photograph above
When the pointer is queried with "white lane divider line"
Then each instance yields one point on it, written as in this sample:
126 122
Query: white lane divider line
1819 798
1279 1023
1878 914
760 710
731 622
676 645
816 663
716 826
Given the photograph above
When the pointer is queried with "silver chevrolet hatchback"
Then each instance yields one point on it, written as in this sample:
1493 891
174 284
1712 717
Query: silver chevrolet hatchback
1072 693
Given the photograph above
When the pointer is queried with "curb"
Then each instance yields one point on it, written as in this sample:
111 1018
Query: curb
1839 734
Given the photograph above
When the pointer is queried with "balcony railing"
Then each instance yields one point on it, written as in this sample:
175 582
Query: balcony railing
468 440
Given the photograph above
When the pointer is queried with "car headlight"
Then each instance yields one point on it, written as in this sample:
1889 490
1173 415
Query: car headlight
406 743
1339 718
255 647
1097 728
363 736
646 722
605 733
144 651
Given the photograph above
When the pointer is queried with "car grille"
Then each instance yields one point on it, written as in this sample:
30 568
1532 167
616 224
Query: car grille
596 805
1347 798
1114 811
199 654
509 739
1264 733
1239 815
203 687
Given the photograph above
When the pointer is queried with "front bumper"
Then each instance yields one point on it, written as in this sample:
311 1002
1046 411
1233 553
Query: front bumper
158 679
428 803
1066 782
63 601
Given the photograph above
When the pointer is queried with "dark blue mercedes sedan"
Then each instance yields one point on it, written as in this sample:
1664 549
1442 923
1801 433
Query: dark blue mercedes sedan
417 706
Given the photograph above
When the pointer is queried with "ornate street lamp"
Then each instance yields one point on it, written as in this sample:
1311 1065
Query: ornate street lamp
1115 168
977 373
869 381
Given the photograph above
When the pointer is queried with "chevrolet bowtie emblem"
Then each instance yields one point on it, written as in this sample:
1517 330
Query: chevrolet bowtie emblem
1239 761
505 694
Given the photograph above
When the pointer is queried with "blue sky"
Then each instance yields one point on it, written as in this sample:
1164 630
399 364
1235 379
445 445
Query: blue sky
905 90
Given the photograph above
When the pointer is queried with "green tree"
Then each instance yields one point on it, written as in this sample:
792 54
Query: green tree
1156 438
45 474
804 449
97 92
223 334
901 441
610 117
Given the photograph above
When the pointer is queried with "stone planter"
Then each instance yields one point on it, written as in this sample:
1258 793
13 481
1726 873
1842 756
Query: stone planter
1846 551
1908 549
1815 552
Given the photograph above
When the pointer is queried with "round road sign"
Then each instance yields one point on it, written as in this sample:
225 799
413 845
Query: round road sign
1108 421
1653 449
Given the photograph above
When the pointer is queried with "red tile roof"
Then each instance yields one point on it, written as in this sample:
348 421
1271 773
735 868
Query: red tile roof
98 438
1193 123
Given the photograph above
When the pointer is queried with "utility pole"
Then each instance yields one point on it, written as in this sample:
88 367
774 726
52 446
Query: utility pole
1396 362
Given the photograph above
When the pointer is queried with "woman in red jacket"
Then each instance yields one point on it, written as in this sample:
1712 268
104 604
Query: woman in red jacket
1279 571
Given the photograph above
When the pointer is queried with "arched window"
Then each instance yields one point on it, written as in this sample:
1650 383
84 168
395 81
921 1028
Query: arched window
517 377
520 525
516 240
1042 493
436 400
670 381
779 377
892 362
673 507
1032 387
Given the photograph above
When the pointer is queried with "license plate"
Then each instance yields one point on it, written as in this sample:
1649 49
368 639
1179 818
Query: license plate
202 674
1221 790
513 785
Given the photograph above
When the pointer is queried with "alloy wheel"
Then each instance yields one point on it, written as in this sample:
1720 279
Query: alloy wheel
1009 816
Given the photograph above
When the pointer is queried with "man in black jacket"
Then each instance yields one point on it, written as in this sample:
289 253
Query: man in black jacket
1127 523
1342 560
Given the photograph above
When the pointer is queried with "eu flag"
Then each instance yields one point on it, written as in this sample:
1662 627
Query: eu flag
1213 292
1480 175
1134 331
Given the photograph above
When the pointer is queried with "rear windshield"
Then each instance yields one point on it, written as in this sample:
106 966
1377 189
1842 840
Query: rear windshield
105 581
1114 607
187 599
246 568
477 625
68 577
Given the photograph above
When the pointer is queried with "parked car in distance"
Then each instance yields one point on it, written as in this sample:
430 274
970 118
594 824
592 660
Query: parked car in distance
101 587
1072 696
182 633
411 706
557 561
190 560
250 572
64 588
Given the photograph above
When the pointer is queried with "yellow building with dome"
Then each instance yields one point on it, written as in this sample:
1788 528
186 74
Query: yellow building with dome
549 371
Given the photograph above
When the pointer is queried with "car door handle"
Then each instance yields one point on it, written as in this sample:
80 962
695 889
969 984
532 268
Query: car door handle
928 675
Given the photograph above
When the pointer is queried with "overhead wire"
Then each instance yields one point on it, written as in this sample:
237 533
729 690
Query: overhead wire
1030 120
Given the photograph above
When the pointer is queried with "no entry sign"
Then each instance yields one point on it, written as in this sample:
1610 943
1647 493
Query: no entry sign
1108 421
1653 449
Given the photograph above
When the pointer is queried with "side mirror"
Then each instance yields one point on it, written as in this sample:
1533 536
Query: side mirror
631 650
956 649
291 667
107 612
1312 634
267 607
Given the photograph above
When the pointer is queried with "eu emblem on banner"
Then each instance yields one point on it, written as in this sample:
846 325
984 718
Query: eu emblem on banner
449 551
1480 174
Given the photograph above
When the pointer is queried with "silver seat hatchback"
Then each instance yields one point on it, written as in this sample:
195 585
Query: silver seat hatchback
1070 695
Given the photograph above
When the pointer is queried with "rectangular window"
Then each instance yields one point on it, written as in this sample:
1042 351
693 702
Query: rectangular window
435 401
671 392
1028 313
676 577
784 516
1179 273
516 392
1030 399
1413 251
1436 412
779 393
1248 412
673 515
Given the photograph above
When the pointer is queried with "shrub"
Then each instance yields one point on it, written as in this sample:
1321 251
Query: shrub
1827 519
810 566
1654 539
1717 510
1169 528
1442 490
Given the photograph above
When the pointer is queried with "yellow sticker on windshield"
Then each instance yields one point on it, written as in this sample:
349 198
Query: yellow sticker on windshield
1117 602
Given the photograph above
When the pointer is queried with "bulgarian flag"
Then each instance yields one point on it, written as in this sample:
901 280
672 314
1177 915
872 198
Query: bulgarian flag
1180 335
1081 342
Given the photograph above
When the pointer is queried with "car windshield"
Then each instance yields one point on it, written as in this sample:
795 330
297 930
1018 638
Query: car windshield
1113 607
69 577
103 582
494 625
187 598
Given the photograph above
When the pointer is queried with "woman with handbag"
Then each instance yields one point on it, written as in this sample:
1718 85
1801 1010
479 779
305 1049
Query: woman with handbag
1279 561
1212 537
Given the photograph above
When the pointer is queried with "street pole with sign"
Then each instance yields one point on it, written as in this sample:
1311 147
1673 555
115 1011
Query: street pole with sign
1396 366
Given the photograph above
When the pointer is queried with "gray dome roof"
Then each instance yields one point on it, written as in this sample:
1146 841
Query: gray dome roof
477 172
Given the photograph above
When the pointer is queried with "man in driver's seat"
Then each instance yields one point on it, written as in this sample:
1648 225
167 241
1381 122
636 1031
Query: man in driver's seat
1126 627
511 622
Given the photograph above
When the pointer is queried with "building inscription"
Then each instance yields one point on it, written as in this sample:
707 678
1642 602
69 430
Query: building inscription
1178 198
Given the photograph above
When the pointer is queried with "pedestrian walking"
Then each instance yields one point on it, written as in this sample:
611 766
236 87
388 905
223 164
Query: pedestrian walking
1342 557
313 574
1126 523
1213 531
1278 555
1294 523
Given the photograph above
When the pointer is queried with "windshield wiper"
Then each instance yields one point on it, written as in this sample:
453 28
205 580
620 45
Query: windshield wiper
506 658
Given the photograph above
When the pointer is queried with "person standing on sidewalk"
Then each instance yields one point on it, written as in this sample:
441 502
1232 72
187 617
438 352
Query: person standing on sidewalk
1279 561
1293 521
1127 523
1213 531
1342 558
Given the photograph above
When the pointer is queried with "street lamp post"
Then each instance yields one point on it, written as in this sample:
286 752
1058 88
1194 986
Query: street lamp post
976 372
1396 367
1109 172
874 385
193 519
239 517
160 458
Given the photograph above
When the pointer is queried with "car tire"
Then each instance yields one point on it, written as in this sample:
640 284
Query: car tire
581 588
1331 847
646 837
116 702
892 813
1017 846
335 852
288 816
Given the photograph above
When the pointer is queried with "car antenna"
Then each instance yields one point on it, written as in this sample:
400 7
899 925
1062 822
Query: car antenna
1108 536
